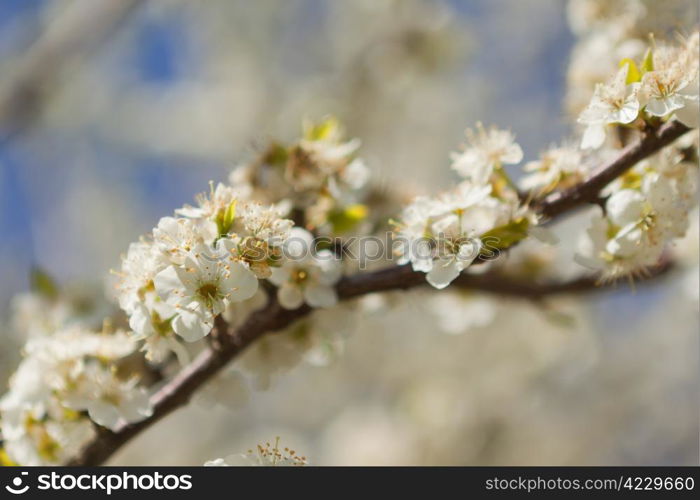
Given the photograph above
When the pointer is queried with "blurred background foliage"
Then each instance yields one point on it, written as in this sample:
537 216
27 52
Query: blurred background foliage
176 93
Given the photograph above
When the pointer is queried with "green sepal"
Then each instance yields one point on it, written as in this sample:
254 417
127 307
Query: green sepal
346 219
326 129
276 154
648 61
633 74
225 218
507 235
43 284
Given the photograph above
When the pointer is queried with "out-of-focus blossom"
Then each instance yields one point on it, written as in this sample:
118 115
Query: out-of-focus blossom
264 455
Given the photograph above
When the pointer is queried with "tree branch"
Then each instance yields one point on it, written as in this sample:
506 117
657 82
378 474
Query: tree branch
178 391
230 343
587 192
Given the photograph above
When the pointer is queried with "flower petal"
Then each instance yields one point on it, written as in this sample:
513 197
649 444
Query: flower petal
444 271
192 326
320 296
241 283
593 136
290 296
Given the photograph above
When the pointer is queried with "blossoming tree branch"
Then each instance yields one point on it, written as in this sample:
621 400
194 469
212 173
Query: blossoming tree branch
251 272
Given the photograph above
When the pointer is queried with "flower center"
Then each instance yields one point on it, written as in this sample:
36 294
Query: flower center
112 398
209 292
299 276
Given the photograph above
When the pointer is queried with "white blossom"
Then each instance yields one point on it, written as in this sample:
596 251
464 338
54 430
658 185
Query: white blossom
201 288
217 462
108 400
195 265
486 150
42 434
175 237
441 236
414 231
323 141
672 85
641 220
139 267
307 276
355 175
61 374
256 237
149 315
558 168
264 455
318 175
212 205
38 313
613 102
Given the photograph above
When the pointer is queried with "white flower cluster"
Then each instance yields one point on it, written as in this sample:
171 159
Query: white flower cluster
486 151
319 177
441 236
207 260
559 167
65 381
609 32
645 210
307 275
664 85
46 308
196 265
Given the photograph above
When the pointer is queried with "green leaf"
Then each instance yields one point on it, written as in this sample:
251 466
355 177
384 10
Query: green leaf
505 236
346 219
633 74
276 154
327 129
224 219
42 283
631 180
5 460
648 62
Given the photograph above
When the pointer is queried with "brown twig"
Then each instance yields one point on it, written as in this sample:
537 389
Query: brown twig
652 141
230 343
